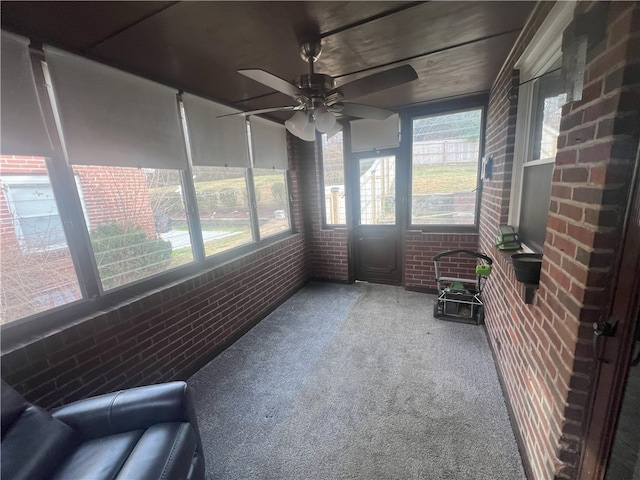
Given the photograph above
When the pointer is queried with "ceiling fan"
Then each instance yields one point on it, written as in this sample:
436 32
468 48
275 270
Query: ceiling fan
319 100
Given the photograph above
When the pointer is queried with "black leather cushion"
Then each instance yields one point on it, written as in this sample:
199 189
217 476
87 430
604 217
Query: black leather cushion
99 459
132 409
165 451
13 404
35 444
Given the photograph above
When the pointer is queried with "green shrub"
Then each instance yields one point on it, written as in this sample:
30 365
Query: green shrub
125 254
228 198
279 193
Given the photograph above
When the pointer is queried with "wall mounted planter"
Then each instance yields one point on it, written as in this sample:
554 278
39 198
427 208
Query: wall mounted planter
527 267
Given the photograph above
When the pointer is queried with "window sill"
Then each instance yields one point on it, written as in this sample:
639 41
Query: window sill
444 229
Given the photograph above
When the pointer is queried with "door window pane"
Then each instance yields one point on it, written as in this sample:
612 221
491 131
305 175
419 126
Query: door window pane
37 273
137 221
377 191
223 206
272 200
333 176
444 176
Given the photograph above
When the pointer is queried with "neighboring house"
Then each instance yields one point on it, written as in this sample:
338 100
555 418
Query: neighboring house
37 269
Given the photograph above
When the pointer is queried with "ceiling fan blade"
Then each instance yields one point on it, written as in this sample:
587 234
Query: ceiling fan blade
361 111
272 81
287 108
374 83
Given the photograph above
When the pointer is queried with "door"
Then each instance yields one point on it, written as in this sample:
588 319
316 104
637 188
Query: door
615 342
376 238
625 454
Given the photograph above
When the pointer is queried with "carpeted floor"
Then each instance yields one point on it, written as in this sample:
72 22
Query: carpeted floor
356 382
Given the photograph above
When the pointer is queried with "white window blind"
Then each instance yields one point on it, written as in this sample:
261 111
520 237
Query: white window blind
269 144
113 118
367 135
215 142
23 128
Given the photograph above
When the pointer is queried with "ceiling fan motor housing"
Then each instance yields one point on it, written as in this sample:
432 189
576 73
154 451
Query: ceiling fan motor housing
314 84
310 51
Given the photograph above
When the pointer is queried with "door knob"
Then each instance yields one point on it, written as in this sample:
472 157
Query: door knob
602 329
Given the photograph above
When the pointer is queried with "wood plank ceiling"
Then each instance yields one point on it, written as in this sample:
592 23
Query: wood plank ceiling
457 48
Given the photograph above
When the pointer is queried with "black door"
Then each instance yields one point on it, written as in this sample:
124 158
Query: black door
377 239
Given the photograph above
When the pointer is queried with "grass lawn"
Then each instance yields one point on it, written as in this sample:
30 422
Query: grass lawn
184 255
260 181
444 178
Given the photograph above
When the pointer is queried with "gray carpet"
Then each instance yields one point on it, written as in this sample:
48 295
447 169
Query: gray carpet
355 382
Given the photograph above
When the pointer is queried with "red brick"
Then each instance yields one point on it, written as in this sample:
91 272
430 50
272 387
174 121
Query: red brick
571 211
595 153
581 135
575 175
566 157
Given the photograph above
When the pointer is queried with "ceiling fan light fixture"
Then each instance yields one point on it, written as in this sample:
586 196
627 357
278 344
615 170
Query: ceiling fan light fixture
308 133
297 122
336 128
301 125
325 120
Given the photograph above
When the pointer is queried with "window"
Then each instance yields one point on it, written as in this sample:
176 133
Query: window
444 175
272 200
223 204
37 271
539 161
34 211
138 224
333 177
123 138
540 100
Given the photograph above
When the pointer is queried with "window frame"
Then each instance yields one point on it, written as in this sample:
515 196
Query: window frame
446 108
542 54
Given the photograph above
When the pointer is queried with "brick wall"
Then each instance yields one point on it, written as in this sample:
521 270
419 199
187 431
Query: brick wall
543 350
419 249
165 334
327 248
158 337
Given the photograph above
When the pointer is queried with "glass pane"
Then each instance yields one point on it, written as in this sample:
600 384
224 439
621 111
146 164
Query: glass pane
271 197
37 271
536 195
333 174
33 200
224 207
137 221
547 115
444 176
42 231
378 191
